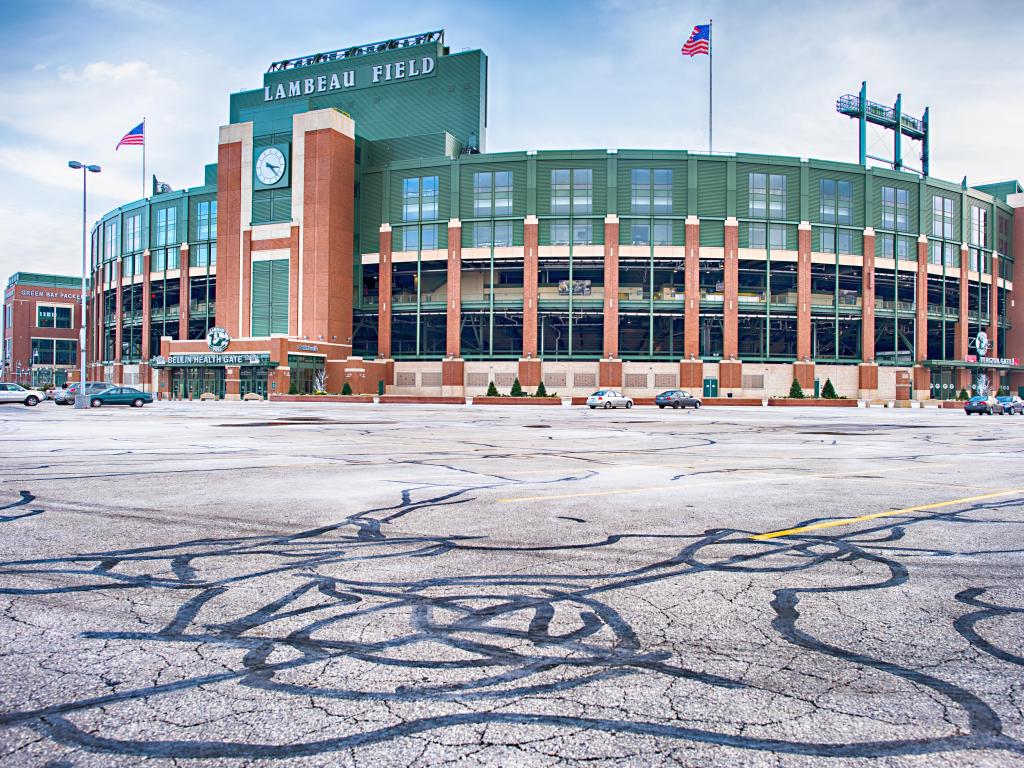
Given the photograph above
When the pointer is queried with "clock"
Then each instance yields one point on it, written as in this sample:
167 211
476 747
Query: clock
270 166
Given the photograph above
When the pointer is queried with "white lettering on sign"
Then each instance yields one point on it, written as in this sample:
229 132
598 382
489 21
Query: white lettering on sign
51 294
379 73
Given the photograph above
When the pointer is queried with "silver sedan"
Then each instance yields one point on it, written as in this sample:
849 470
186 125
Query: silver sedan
609 398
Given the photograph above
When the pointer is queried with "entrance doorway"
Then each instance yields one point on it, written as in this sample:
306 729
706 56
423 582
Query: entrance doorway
304 370
253 379
194 381
710 387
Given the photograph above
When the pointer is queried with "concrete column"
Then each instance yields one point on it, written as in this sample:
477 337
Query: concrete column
186 294
384 295
730 303
867 292
611 287
530 246
691 319
147 292
921 375
803 292
453 345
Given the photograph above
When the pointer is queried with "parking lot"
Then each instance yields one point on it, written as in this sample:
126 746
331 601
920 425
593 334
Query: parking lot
265 584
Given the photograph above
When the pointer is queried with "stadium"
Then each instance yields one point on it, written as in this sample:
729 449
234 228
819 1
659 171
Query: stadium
355 230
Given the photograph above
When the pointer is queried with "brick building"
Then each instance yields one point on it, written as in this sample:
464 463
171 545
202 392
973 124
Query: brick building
41 321
355 227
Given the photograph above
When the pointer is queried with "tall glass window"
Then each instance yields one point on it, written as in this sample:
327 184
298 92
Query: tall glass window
651 191
767 195
577 186
419 198
836 202
206 220
492 193
110 240
942 217
166 227
895 209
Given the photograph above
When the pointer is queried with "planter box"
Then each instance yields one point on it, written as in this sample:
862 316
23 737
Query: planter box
811 402
415 400
478 400
956 405
321 398
732 401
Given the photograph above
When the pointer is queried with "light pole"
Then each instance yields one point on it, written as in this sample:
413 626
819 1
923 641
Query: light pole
81 399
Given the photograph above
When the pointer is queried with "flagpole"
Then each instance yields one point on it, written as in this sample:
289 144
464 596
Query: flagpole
711 59
143 158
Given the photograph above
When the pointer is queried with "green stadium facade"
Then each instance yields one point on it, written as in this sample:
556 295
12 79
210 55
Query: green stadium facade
355 230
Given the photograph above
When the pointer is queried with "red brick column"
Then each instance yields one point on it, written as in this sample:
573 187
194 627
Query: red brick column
328 223
1015 309
611 289
147 292
993 324
922 376
117 269
867 371
186 294
867 293
530 244
384 295
453 343
691 319
232 383
960 340
803 292
730 303
229 237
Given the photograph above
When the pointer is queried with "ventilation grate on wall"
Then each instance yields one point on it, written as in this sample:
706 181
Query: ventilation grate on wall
430 379
665 380
554 379
753 381
636 380
477 379
504 379
584 380
405 379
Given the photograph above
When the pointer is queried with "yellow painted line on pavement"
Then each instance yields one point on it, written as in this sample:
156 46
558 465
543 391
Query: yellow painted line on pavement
887 513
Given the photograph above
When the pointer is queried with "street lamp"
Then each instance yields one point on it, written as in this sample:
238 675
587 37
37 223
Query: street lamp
81 400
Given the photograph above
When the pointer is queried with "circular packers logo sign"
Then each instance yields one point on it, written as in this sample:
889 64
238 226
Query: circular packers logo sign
981 342
217 339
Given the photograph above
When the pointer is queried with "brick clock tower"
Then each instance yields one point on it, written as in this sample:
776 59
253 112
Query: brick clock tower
286 287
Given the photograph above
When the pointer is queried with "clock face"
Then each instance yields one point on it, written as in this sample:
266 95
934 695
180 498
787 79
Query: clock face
270 166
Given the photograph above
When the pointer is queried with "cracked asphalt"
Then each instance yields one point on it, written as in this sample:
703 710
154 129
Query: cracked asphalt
260 584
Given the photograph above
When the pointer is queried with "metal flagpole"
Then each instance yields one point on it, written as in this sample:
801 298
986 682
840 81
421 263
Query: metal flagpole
711 91
143 158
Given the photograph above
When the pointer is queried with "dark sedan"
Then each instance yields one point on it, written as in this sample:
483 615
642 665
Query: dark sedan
1011 404
983 404
136 398
677 398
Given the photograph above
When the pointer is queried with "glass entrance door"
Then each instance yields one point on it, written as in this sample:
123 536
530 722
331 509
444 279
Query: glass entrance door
193 382
253 379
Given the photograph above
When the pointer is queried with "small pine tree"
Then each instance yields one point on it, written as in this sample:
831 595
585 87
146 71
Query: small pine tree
517 389
541 391
492 391
795 391
347 389
292 389
962 395
829 392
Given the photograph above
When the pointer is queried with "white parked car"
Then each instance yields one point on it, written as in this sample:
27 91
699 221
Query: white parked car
609 398
15 393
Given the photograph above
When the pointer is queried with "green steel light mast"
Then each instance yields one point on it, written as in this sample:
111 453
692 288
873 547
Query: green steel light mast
891 118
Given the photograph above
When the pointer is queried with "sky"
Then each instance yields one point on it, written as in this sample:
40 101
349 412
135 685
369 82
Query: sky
563 75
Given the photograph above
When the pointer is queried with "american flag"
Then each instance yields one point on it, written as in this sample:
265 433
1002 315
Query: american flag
135 137
699 42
